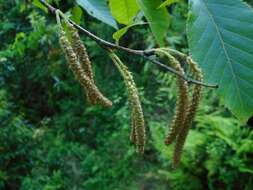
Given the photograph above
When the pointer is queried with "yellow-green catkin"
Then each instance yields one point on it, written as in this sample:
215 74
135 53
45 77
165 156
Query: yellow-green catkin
85 62
182 99
181 105
80 49
82 56
190 114
138 133
133 129
79 72
138 124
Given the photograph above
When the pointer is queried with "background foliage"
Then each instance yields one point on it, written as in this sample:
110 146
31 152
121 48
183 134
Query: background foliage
50 139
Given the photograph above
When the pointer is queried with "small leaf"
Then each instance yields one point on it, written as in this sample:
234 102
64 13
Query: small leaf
38 4
76 14
158 18
221 41
124 10
99 10
168 3
121 32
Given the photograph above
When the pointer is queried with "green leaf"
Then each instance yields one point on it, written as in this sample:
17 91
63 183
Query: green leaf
121 32
221 41
99 10
168 3
76 14
124 10
38 4
158 18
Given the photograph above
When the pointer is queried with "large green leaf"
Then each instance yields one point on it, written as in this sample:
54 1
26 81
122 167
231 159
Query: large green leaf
158 18
99 10
123 10
220 34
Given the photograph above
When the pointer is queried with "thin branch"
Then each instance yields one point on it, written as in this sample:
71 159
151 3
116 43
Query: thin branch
143 53
106 44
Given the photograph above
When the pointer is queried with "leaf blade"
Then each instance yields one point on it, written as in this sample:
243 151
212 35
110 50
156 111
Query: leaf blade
124 10
76 14
221 41
158 18
121 32
38 4
99 10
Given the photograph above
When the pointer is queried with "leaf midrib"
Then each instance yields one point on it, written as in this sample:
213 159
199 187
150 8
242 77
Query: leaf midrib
225 51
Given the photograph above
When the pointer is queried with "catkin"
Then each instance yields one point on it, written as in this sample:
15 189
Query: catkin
138 125
191 111
182 99
82 56
80 49
138 133
79 72
133 129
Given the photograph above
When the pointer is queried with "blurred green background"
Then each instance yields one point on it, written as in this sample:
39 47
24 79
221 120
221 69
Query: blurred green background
51 139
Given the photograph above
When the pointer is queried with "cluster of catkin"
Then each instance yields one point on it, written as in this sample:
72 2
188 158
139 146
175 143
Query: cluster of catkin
185 107
79 62
138 134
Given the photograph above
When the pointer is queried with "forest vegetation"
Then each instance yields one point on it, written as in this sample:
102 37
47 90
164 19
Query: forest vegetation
53 138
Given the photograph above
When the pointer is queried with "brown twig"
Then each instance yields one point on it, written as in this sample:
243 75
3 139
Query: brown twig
146 54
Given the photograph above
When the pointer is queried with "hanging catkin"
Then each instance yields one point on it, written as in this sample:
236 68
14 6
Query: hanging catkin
79 72
191 111
137 135
83 58
80 49
182 99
